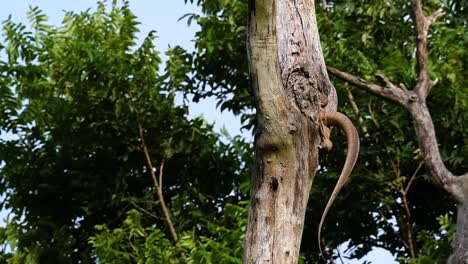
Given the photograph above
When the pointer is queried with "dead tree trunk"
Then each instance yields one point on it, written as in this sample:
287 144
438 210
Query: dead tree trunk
289 79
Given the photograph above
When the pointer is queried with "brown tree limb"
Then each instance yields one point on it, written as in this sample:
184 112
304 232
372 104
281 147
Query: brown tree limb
424 128
389 91
422 23
415 102
158 185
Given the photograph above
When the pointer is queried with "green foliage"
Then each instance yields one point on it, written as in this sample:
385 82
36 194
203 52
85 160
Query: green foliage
134 243
219 66
361 37
365 37
435 249
73 98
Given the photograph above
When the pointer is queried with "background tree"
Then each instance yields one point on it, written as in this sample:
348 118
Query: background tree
73 99
415 102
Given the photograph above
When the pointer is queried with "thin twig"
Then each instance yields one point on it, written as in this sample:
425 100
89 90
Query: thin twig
408 222
339 256
357 114
422 23
161 176
157 185
146 211
409 226
413 177
388 222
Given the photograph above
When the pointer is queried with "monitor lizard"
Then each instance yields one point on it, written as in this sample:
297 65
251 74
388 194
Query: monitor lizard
330 117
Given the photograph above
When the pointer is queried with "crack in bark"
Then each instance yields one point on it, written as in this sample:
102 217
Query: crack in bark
302 22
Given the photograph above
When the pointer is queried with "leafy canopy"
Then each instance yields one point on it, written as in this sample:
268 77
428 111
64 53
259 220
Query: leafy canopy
72 99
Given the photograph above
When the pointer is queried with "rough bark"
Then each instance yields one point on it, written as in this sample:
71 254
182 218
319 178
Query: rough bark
288 76
460 240
415 102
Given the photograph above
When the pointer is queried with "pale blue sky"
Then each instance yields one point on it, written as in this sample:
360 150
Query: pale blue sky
162 16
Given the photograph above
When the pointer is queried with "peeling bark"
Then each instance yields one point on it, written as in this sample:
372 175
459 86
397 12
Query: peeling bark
289 77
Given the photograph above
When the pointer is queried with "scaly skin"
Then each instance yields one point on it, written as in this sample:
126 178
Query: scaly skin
338 119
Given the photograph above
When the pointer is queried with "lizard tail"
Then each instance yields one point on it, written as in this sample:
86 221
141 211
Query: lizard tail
352 138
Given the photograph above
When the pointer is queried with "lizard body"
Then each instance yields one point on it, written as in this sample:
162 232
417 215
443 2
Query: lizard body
338 119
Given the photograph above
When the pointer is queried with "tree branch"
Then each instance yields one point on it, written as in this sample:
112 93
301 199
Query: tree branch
424 126
422 23
390 91
407 222
413 177
158 186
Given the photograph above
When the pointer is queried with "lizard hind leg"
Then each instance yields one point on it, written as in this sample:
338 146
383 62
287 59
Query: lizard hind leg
327 144
325 131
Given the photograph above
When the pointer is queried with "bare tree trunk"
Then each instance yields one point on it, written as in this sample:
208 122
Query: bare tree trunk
460 240
289 78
